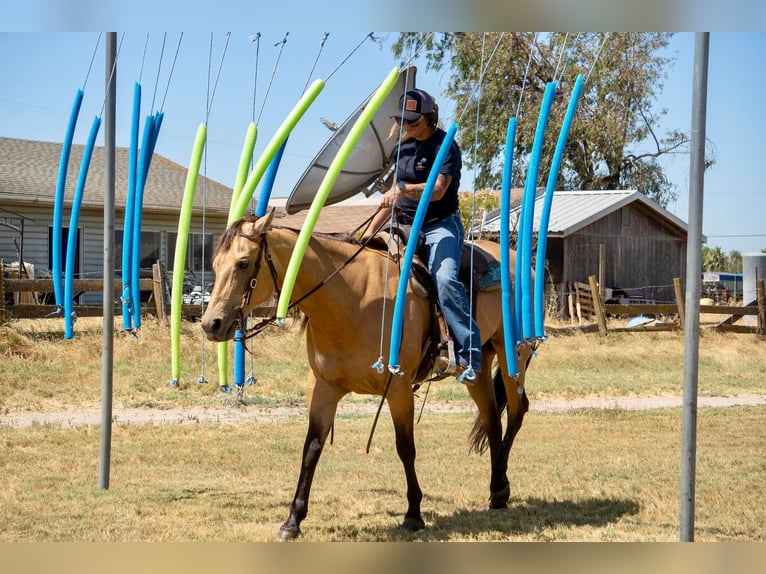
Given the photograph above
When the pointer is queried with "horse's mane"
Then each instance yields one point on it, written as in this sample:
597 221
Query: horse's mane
235 229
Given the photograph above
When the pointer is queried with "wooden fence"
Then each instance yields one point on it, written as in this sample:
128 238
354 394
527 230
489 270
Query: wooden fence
586 305
13 305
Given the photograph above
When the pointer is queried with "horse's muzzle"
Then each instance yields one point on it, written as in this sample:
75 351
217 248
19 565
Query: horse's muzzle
216 329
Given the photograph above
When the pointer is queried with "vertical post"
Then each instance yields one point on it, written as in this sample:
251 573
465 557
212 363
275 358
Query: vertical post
679 301
158 292
602 270
107 345
693 287
2 291
598 306
761 299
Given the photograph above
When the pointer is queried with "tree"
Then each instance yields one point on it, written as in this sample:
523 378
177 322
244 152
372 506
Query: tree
734 261
713 259
614 141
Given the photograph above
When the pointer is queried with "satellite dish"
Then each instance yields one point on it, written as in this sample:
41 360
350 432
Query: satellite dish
368 168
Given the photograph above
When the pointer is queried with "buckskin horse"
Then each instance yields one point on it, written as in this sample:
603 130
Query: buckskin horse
340 289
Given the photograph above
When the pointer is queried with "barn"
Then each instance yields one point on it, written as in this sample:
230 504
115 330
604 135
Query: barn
28 174
631 242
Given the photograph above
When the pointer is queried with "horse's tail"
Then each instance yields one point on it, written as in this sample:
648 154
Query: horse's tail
477 438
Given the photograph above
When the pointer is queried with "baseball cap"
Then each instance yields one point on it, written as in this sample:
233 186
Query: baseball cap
413 104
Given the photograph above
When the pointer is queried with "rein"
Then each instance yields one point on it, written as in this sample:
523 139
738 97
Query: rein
263 244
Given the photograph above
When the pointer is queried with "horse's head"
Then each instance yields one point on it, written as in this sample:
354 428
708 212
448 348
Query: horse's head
242 276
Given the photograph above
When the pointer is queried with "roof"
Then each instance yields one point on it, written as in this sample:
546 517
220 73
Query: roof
343 217
574 210
29 172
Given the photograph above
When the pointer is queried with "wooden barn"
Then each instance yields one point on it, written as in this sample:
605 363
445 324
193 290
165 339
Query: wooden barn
28 175
628 240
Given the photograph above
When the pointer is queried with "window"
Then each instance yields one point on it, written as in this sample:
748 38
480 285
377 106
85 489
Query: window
199 253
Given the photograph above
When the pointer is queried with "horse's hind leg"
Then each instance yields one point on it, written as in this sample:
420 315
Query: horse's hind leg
402 407
323 404
489 416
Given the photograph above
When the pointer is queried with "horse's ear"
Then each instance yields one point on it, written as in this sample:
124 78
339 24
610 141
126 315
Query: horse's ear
264 222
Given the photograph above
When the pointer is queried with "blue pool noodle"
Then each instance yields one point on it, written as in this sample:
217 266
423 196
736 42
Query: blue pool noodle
409 254
542 239
58 205
74 219
505 264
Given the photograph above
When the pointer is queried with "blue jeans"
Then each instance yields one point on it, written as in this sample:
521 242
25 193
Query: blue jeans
444 244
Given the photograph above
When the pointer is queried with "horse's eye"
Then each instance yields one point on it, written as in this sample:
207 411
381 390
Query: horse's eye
244 263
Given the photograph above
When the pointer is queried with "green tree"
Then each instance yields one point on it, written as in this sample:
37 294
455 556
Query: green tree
713 259
614 141
734 261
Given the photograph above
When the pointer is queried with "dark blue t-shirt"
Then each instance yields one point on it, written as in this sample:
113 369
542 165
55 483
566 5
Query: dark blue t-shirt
415 161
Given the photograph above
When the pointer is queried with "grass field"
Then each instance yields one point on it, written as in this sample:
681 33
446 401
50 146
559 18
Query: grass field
586 475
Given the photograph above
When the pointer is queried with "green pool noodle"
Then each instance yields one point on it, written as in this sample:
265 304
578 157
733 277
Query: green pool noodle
179 262
244 165
324 189
243 198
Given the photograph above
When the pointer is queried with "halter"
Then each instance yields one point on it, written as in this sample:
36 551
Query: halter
261 242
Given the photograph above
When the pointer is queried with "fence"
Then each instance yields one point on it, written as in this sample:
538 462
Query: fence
586 304
19 297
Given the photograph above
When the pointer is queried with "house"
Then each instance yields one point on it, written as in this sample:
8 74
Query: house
643 246
28 175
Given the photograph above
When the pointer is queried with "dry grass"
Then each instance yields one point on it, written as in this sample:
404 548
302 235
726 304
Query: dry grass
586 475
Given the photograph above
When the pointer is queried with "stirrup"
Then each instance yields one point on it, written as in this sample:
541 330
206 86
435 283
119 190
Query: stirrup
446 364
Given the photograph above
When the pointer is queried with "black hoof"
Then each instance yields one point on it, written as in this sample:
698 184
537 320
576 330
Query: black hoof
413 524
288 534
499 499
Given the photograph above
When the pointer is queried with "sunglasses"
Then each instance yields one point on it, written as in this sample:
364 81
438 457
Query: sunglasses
410 122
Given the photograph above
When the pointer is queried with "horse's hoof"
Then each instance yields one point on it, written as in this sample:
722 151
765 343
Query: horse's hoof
499 500
288 534
413 524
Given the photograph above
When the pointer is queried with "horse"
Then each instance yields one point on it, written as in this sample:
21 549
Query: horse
341 290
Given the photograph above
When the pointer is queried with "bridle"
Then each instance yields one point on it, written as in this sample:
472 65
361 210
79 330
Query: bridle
261 242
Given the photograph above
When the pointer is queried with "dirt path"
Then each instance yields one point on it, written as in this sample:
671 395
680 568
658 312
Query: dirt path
251 413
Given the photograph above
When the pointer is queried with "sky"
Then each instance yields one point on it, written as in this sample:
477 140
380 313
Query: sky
229 80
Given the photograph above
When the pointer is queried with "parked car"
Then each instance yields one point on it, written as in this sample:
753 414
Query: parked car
195 297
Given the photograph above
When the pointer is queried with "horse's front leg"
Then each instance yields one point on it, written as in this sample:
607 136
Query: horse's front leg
402 407
322 408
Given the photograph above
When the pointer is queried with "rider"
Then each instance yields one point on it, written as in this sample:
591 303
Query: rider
442 227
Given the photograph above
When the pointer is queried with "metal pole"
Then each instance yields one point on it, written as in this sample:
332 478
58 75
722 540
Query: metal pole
693 287
107 346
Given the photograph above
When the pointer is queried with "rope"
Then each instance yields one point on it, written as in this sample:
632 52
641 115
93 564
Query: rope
377 413
311 73
483 70
111 74
93 57
526 75
218 75
273 72
159 66
598 54
378 365
143 58
257 40
561 55
349 55
172 68
473 195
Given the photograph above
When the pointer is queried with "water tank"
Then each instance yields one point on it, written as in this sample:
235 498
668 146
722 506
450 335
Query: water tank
753 267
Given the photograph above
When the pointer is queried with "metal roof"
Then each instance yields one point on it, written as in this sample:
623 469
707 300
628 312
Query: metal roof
573 210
